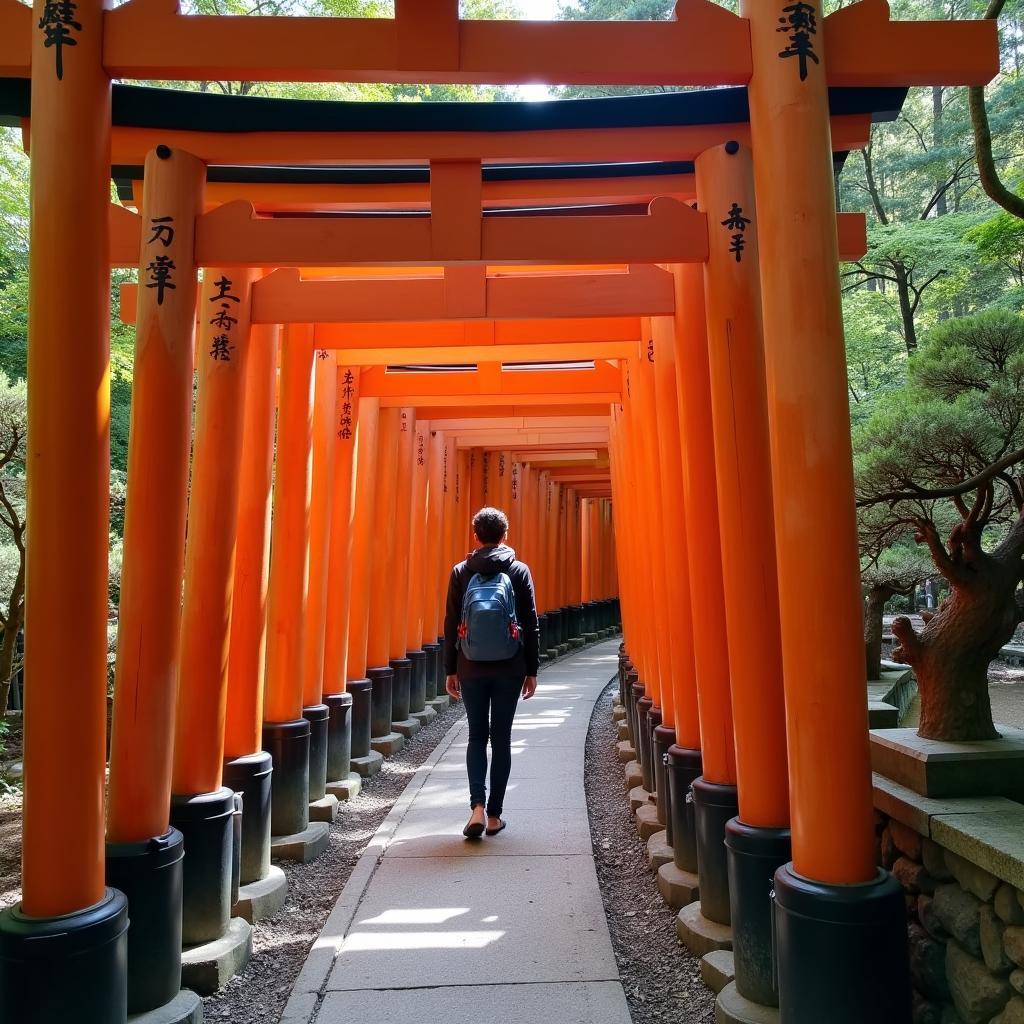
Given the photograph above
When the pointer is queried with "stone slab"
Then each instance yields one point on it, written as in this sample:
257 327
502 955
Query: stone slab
424 717
440 704
598 1002
917 811
698 934
678 888
993 840
209 967
185 1008
346 789
388 745
494 910
304 846
882 715
451 790
634 775
324 809
647 823
938 769
368 766
618 713
622 730
658 851
639 797
533 762
732 1008
408 728
625 751
717 968
263 898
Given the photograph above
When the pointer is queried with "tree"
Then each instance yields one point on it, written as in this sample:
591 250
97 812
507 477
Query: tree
13 429
943 455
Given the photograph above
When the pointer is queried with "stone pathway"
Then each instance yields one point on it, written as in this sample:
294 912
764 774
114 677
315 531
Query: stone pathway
510 926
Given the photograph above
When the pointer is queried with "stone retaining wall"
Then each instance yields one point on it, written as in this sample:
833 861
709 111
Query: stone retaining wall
965 928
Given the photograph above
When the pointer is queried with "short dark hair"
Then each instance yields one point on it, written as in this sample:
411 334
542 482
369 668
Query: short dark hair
490 525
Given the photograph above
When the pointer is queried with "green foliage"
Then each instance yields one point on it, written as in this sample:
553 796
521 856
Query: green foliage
1000 240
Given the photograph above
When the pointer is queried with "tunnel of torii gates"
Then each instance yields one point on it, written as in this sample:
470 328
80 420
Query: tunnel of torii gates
574 310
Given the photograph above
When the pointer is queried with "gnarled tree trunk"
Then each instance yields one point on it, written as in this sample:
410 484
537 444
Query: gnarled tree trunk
873 611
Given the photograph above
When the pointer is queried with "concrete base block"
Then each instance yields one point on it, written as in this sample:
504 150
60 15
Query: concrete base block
304 846
324 809
717 969
407 727
424 717
262 899
658 851
185 1008
616 699
678 888
553 654
732 1008
369 765
346 789
389 745
563 649
543 657
589 638
618 713
698 934
440 704
634 775
638 796
625 751
575 643
209 967
647 823
622 730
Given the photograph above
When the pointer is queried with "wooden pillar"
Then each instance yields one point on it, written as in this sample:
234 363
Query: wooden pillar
401 556
419 552
289 550
156 506
475 491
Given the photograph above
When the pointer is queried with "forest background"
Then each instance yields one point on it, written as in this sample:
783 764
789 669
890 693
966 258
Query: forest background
939 251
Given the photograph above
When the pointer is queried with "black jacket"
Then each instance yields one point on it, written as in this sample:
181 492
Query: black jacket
490 560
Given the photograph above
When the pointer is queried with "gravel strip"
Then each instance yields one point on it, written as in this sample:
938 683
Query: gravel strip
280 944
660 976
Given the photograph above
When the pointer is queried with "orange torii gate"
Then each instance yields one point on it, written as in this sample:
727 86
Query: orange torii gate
772 138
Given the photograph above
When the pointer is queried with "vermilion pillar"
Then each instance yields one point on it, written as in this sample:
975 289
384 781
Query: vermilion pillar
417 561
286 734
434 567
345 720
816 547
201 808
398 579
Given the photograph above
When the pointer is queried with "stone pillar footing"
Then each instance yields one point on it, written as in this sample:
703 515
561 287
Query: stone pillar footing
408 727
368 766
647 823
185 1008
638 796
634 777
304 846
732 1008
389 744
658 851
678 888
717 969
699 935
324 809
347 788
263 898
210 966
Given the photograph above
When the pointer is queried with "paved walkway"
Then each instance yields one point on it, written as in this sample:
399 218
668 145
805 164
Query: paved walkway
511 927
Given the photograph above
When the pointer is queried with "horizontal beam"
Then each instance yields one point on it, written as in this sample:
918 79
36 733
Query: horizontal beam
575 419
491 381
455 355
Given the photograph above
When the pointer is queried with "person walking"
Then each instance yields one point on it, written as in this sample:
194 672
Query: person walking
491 649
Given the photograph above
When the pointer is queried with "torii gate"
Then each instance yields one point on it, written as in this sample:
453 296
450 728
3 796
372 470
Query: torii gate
786 55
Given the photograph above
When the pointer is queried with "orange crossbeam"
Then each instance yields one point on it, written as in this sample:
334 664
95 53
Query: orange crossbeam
492 380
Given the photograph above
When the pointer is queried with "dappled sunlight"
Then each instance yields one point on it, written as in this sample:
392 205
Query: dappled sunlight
420 915
367 942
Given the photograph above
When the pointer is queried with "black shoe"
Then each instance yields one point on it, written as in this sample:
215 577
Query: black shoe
495 831
474 830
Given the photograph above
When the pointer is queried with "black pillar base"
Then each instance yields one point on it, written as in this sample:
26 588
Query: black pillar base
339 736
383 680
629 702
318 716
653 724
417 680
361 691
542 622
753 856
664 736
682 766
554 628
643 745
149 875
441 675
434 686
841 951
288 744
236 849
637 691
206 821
54 970
251 777
401 689
713 805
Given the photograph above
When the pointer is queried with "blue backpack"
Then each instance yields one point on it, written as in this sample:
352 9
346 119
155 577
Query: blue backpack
489 630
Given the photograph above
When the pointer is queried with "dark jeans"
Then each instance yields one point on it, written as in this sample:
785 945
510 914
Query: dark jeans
490 708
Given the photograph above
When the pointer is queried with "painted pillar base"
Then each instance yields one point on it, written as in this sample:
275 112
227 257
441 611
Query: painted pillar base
417 681
643 735
149 874
383 680
733 1008
251 777
339 735
554 628
663 738
753 855
361 691
184 1008
433 685
713 806
206 821
236 849
401 689
288 744
318 716
682 766
69 968
263 898
827 936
